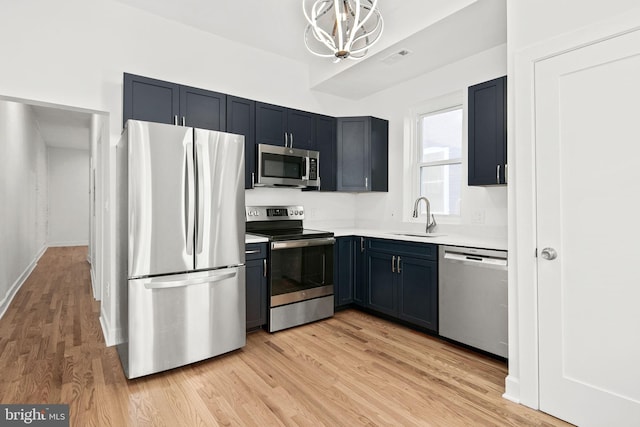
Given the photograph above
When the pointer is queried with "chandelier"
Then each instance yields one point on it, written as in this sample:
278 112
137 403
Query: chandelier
341 28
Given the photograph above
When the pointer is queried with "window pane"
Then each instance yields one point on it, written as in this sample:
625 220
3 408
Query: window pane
441 185
441 136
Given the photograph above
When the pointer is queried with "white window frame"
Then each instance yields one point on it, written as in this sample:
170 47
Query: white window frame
448 102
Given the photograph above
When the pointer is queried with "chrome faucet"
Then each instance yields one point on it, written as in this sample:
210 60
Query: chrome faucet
431 220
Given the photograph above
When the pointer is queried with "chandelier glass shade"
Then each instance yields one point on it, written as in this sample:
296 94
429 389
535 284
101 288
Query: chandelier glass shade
341 28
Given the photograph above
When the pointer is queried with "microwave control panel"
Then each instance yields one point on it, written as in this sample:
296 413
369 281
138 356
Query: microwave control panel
313 169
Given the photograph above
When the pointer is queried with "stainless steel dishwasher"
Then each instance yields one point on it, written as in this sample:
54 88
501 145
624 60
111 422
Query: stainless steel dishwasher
473 297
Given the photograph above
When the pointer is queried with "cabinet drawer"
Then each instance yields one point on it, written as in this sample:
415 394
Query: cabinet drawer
398 247
255 251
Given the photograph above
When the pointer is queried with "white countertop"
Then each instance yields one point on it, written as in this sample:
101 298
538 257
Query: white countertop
252 238
445 238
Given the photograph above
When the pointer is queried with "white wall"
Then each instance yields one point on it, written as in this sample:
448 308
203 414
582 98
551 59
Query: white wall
534 26
23 197
113 39
396 105
68 196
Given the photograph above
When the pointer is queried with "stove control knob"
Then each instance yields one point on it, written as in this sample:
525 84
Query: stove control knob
301 212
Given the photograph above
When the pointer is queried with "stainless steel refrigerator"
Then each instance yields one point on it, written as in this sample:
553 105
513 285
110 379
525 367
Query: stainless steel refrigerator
179 245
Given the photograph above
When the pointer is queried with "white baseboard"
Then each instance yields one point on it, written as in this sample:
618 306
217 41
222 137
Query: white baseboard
68 243
96 296
106 331
112 336
512 389
6 301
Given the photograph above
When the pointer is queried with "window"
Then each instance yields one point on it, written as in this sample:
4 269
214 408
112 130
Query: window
439 160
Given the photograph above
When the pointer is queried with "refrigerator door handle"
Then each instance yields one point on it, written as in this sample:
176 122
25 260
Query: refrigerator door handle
166 284
190 210
202 183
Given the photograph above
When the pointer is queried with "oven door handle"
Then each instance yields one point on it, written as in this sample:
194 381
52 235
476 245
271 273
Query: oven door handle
302 243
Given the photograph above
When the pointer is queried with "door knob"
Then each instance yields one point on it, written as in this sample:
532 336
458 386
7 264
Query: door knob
549 254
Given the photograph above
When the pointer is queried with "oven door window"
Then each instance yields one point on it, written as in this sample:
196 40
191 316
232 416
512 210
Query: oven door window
300 269
280 166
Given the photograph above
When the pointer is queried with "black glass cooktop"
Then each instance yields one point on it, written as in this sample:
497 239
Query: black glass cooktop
291 234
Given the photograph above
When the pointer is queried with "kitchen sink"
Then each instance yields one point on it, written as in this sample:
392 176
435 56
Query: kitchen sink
419 234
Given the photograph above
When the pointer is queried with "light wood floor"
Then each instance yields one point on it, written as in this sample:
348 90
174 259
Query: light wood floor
352 369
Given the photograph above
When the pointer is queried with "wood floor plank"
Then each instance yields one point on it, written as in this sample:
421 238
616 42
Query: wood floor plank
350 370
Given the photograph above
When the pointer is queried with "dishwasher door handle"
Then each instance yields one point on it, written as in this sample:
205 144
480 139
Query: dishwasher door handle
476 260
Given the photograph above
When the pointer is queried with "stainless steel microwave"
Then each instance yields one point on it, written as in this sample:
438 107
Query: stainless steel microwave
287 167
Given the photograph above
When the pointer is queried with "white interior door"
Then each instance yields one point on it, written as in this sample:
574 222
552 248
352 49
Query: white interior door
588 210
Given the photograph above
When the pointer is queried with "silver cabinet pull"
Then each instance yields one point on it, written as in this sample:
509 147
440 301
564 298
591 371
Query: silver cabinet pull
361 244
255 251
366 182
184 121
175 120
264 267
393 264
398 268
498 174
506 172
290 139
253 180
286 141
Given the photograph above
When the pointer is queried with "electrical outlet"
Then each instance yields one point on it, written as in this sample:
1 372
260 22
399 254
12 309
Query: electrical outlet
477 217
106 289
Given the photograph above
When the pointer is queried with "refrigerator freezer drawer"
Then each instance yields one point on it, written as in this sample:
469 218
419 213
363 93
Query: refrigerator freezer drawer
180 319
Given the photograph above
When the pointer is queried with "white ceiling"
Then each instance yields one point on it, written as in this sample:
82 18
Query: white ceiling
436 31
63 128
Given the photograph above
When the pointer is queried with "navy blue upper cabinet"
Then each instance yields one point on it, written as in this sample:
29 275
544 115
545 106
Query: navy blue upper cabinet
278 125
326 145
202 109
487 128
302 127
150 100
271 124
362 154
241 119
164 102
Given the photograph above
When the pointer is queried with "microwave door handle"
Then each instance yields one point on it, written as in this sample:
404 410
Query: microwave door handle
305 168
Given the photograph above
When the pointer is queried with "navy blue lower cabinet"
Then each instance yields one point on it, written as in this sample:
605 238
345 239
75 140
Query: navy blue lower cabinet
418 291
402 281
344 271
256 285
360 282
382 288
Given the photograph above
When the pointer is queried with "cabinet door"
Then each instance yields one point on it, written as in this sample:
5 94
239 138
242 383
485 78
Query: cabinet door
344 268
418 292
150 100
353 154
381 283
241 119
379 176
488 132
256 294
326 145
360 282
301 127
202 109
271 124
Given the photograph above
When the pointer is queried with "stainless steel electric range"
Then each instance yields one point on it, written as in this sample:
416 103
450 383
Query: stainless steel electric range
300 266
